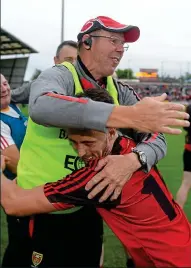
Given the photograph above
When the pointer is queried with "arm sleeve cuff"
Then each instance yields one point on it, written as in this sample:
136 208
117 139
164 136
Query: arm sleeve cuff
150 154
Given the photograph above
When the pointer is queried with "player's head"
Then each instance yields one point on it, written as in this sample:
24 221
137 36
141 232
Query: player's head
90 143
5 92
102 42
66 51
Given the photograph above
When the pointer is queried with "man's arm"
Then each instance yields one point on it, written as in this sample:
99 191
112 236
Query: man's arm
21 94
153 144
51 104
21 202
60 195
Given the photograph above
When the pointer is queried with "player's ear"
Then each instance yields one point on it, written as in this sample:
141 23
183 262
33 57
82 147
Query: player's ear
56 60
112 132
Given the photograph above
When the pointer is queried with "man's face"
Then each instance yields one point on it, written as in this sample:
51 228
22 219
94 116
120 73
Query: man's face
5 93
107 51
67 53
91 144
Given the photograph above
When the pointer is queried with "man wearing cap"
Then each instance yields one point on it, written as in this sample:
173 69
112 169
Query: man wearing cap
68 240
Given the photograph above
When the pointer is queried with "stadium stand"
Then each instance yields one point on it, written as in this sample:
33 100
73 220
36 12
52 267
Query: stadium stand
14 58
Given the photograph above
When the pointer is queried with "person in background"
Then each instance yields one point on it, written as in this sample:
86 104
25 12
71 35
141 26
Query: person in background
66 51
13 129
185 187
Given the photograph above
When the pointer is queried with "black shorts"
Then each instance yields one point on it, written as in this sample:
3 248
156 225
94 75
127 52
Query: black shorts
187 160
18 251
68 240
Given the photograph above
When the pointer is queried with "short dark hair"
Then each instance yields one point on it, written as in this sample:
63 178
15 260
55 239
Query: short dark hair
96 94
70 43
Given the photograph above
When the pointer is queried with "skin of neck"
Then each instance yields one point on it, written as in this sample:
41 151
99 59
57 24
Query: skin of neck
91 65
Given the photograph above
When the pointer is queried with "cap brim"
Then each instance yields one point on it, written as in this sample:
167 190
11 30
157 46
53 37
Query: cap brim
131 33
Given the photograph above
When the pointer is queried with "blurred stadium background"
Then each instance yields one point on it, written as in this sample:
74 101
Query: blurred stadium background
15 55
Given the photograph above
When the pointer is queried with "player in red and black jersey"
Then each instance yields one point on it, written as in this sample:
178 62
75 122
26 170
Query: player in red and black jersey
185 187
151 226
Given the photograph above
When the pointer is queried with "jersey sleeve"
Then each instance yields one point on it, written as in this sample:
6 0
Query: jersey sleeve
6 138
21 94
70 191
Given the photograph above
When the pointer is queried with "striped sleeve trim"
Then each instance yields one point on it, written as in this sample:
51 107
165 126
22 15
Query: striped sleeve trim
152 138
135 93
130 88
4 143
71 183
66 98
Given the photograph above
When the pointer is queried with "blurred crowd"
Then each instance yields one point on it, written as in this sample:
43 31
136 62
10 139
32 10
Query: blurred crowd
174 92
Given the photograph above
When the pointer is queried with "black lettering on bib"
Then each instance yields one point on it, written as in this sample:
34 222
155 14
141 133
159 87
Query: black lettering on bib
63 134
73 162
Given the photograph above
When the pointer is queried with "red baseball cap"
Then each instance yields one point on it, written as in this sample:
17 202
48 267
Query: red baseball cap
131 33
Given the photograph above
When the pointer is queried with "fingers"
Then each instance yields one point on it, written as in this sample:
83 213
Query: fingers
173 122
107 192
175 106
177 122
97 178
174 119
161 97
98 188
119 188
168 130
177 114
170 105
116 193
101 164
113 188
